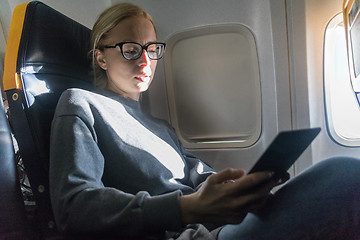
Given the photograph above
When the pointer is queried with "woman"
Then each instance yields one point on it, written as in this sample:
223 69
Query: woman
116 171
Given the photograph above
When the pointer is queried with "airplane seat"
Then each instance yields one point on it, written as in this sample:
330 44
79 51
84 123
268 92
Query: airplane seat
46 53
14 224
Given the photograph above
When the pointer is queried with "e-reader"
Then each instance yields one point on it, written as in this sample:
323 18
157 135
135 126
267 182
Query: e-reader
284 150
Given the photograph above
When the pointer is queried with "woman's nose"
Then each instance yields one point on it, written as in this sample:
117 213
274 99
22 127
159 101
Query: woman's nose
144 59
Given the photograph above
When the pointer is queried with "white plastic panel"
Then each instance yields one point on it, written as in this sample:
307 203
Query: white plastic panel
342 110
201 64
2 56
317 19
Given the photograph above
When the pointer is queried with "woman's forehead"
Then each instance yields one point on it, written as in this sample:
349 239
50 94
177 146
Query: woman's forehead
133 29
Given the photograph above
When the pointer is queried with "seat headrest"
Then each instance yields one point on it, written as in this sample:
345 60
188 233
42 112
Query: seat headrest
52 43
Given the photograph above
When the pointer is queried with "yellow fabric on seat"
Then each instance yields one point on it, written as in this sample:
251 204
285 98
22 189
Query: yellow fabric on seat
10 79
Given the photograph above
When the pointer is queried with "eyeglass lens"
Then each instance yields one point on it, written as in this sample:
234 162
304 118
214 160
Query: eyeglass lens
133 51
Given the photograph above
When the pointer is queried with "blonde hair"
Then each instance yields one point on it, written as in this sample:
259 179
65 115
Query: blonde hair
105 22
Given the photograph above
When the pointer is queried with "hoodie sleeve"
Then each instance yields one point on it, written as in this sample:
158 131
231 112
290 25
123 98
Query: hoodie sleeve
198 170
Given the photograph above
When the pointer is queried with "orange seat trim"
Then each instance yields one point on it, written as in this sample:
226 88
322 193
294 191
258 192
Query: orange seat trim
11 79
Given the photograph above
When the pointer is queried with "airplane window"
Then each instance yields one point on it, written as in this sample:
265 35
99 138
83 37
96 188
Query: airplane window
213 84
342 109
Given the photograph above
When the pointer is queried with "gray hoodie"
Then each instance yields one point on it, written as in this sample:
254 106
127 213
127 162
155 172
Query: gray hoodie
116 170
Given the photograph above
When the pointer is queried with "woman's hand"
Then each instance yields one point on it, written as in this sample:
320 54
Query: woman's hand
227 196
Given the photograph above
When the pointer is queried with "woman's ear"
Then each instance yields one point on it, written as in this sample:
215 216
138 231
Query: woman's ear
100 58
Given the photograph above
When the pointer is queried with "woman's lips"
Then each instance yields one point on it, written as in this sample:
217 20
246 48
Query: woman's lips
143 78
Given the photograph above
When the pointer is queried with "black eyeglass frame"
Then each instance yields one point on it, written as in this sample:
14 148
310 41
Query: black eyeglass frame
143 47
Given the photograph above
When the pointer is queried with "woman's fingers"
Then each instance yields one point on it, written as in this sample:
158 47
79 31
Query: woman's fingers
226 175
252 181
227 196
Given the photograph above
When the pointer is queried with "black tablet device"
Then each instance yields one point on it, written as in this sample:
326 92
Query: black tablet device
285 149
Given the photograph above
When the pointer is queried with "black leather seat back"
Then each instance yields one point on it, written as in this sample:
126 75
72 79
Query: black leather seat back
52 56
13 222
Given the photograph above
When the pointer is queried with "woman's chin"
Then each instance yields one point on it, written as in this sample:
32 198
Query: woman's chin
143 86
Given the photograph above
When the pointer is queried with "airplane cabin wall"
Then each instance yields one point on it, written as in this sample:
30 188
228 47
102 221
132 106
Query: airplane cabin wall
2 55
289 40
267 21
289 36
318 15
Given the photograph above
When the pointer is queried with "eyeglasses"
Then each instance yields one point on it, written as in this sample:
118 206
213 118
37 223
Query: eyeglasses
133 50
